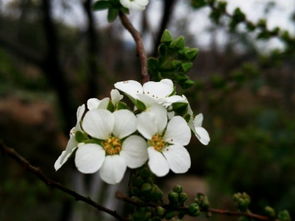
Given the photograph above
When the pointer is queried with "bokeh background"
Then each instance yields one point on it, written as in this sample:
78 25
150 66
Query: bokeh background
55 54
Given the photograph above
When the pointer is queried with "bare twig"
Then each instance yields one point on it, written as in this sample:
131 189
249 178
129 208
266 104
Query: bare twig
51 183
139 46
131 201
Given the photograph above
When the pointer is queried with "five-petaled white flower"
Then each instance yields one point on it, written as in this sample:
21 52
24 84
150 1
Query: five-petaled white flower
94 103
165 142
117 149
72 143
134 4
160 92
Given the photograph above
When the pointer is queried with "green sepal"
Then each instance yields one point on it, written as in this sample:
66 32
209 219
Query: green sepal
111 107
93 140
122 105
140 105
81 137
101 5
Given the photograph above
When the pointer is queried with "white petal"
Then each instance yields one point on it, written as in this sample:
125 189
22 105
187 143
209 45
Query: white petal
113 169
168 82
93 103
125 123
80 112
198 121
134 151
170 114
147 100
173 99
159 113
178 132
104 103
71 146
130 87
89 158
146 125
98 123
116 96
178 158
157 89
157 162
202 134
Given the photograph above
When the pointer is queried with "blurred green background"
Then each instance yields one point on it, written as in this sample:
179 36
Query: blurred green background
54 55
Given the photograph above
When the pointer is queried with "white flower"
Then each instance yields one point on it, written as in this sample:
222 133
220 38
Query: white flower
113 155
94 103
165 143
200 132
72 143
151 91
134 4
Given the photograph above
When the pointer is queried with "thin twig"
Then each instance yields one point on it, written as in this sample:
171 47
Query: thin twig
139 46
134 202
51 183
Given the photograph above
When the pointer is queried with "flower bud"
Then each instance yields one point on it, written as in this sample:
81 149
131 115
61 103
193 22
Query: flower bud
160 211
173 197
194 209
182 197
284 215
202 201
270 212
242 200
177 189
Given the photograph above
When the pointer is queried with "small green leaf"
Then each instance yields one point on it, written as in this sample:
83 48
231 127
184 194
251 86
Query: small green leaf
191 53
166 36
112 14
186 66
101 5
178 43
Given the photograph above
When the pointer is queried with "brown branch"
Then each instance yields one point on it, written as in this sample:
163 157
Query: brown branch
139 46
51 183
134 202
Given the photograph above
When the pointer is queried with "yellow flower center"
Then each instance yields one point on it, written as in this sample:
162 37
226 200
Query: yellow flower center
157 142
112 145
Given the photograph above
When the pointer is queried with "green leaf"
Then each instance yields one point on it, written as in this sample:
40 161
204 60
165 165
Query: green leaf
178 43
186 66
112 14
101 5
191 53
166 36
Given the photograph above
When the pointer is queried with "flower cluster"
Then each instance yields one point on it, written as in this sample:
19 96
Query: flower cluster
110 136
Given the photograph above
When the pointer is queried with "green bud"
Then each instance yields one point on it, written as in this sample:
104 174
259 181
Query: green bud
177 189
284 215
202 201
140 106
242 200
121 105
166 36
178 43
194 209
270 212
160 211
183 197
173 197
146 187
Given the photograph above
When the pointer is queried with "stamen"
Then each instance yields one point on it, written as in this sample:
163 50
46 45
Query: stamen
112 146
157 142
